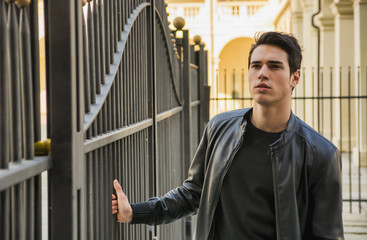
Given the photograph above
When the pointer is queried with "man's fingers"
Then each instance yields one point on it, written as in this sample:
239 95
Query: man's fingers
114 202
113 196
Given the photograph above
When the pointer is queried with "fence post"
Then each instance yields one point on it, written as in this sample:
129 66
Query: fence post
65 71
187 127
204 88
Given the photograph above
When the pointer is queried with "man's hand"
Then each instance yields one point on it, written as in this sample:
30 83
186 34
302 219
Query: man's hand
121 206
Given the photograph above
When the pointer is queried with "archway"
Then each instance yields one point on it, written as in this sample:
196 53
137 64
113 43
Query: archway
231 80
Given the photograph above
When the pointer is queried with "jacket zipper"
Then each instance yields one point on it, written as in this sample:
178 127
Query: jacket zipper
223 175
275 193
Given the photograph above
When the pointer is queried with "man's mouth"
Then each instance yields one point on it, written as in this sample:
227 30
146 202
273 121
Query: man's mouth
262 85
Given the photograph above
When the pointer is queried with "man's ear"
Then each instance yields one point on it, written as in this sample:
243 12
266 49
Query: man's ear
296 76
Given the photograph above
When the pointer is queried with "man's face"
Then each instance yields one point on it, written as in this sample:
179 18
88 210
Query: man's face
269 76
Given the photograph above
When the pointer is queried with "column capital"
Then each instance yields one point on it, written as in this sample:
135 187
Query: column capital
342 7
307 3
360 2
326 22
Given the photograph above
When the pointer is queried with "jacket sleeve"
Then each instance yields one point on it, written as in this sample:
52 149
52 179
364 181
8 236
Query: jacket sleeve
326 200
177 203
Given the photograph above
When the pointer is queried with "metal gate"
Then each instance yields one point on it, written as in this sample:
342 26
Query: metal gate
126 99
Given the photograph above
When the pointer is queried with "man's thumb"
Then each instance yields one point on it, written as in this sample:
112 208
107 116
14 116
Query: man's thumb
117 187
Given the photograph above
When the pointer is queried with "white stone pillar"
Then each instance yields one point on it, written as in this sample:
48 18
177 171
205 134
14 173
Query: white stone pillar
309 43
297 30
325 20
360 59
344 58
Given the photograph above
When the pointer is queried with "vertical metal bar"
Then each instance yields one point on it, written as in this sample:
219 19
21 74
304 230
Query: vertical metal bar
33 9
133 72
234 88
102 41
118 20
128 80
79 69
110 165
38 207
109 112
113 104
304 93
4 99
217 93
30 209
124 86
112 31
122 92
26 83
313 97
15 85
87 91
18 212
5 214
151 39
331 105
89 192
97 203
350 135
107 35
225 90
187 114
118 94
91 47
359 137
320 102
97 50
116 25
243 85
102 194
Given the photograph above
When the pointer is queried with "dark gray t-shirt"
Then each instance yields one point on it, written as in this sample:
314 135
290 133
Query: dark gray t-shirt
246 205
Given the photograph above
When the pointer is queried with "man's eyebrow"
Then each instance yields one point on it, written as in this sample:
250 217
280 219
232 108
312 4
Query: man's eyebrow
255 62
275 62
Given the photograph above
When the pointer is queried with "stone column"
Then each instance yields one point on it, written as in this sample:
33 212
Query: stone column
344 58
309 81
360 60
325 20
297 30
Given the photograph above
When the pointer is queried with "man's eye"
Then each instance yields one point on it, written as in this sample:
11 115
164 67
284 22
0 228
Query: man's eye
255 66
275 66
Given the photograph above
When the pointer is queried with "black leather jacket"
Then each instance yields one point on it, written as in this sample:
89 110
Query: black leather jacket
306 177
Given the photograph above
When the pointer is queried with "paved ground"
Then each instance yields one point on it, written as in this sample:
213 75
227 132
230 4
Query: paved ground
355 214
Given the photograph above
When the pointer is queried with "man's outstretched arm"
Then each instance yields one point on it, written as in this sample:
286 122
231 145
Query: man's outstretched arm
177 203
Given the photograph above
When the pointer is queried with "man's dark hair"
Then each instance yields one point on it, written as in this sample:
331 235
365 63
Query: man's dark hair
284 41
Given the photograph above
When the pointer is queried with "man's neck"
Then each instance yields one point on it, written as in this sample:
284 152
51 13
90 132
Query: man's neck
270 119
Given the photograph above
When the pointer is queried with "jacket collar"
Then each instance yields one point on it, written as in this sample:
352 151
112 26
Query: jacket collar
287 135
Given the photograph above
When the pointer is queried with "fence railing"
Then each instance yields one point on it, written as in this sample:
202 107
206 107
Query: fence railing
20 180
124 101
334 104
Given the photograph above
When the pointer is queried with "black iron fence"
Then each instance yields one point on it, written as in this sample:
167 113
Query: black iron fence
126 100
335 104
20 180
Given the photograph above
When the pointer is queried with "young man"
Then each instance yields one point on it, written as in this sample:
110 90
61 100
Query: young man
258 173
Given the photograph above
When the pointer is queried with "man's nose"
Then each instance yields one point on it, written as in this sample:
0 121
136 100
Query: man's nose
263 72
